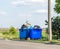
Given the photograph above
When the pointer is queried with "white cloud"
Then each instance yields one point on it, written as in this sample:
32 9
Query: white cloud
3 13
25 14
17 2
41 11
27 2
41 1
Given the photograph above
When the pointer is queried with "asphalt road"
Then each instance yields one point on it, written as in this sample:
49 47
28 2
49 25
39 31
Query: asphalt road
6 44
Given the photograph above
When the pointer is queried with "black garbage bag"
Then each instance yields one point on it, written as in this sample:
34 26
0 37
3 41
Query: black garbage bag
23 26
36 27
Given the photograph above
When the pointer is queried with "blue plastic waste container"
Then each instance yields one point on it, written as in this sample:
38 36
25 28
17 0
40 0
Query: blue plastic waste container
35 33
23 33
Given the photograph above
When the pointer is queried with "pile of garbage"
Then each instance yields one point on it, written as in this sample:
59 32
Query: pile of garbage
29 31
29 26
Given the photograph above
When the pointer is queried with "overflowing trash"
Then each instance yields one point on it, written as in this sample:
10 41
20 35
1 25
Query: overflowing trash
36 27
28 31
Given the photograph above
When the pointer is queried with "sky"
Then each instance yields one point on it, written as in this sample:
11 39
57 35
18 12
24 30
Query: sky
17 12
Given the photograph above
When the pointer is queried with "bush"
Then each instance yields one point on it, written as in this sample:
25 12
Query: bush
12 30
11 34
5 33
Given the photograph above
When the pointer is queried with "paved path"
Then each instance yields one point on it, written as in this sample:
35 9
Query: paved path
25 45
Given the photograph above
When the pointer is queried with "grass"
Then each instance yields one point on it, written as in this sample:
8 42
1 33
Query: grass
56 42
1 35
16 37
9 36
45 40
44 36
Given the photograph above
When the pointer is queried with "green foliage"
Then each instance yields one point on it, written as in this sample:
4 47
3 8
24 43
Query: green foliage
55 26
5 33
11 34
44 36
57 6
56 21
12 30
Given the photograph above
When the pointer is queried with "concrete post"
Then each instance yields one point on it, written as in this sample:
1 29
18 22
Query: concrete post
49 20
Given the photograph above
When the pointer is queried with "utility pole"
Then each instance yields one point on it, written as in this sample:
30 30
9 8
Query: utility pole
49 21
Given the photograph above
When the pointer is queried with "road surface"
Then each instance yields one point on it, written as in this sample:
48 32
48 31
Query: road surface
6 44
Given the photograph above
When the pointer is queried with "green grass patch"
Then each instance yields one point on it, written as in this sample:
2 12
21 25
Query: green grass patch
44 36
7 35
56 42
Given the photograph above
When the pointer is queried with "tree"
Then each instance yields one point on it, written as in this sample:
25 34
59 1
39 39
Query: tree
56 20
57 6
55 26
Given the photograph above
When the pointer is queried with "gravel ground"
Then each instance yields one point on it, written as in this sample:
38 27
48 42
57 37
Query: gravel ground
7 44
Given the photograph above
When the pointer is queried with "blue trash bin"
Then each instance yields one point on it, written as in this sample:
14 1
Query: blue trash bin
23 33
35 33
